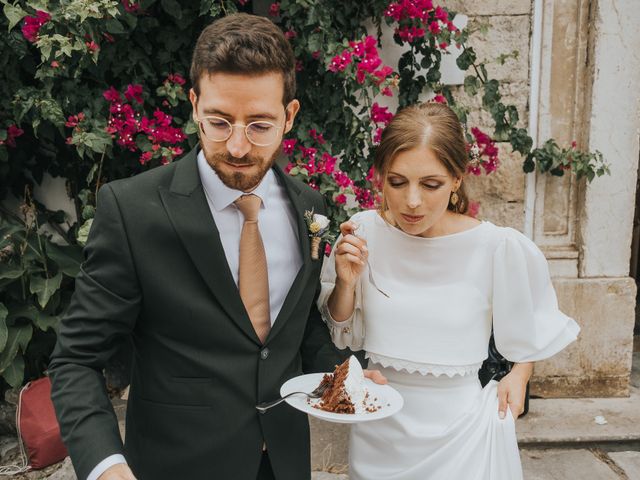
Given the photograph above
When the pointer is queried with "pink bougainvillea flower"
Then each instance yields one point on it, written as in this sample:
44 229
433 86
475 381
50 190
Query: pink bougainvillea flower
288 146
288 167
318 137
409 34
441 14
92 46
342 179
488 149
316 55
340 62
176 78
274 9
290 34
370 63
328 163
130 6
434 28
134 92
327 249
387 92
145 157
309 153
340 199
13 132
112 95
380 114
377 135
439 99
474 209
443 45
32 25
74 120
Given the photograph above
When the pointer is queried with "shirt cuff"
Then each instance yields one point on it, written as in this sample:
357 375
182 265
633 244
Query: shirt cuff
102 467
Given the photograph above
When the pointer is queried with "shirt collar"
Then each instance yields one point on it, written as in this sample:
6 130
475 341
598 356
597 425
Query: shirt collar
222 196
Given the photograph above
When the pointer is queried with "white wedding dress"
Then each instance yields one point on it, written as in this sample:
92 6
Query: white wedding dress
429 339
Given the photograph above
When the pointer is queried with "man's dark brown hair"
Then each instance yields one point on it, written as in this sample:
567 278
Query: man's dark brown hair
244 44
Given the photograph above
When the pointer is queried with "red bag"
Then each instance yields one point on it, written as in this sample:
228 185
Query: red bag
38 429
38 425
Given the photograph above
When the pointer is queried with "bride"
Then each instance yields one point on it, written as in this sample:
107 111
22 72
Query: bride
439 282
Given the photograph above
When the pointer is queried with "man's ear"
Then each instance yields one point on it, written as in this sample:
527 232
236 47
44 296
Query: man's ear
193 98
291 112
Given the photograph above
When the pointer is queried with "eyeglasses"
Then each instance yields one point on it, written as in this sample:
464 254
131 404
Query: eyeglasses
218 129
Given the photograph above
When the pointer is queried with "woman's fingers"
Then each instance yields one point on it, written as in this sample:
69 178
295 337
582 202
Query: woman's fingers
354 247
348 227
359 243
502 403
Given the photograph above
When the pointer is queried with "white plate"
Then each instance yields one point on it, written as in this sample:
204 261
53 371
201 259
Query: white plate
389 400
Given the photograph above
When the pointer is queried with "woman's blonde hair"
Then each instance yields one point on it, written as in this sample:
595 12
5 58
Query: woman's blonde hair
433 125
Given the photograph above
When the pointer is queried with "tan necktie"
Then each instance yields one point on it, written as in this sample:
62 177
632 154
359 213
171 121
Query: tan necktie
253 279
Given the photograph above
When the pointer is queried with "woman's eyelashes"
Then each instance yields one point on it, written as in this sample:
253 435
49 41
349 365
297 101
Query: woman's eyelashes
427 185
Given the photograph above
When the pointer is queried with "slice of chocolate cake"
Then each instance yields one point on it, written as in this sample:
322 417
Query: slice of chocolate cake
345 392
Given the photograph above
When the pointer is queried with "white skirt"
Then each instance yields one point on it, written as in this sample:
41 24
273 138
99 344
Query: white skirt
448 429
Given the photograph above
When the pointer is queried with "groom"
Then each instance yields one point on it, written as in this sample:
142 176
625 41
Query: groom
205 264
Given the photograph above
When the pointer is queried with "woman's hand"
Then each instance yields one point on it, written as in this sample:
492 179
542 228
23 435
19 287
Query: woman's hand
351 255
512 389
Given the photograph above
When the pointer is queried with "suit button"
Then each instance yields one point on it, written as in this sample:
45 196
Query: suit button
264 353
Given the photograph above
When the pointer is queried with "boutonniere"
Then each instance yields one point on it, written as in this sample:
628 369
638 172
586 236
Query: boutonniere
318 226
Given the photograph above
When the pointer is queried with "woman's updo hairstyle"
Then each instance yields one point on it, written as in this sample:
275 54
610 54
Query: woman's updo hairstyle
435 126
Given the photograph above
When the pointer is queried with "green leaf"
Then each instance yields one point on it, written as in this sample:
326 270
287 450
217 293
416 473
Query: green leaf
28 311
45 322
471 84
114 26
18 339
172 7
14 14
67 257
14 373
44 287
83 232
4 332
10 271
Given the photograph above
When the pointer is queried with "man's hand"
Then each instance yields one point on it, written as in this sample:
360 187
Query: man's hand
120 471
512 390
375 376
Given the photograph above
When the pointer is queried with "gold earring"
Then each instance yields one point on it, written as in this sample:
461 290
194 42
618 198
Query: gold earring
454 198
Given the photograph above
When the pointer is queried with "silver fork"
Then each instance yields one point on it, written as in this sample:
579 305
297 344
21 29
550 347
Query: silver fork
371 280
317 393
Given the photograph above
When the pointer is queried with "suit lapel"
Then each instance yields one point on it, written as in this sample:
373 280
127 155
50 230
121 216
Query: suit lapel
188 210
294 192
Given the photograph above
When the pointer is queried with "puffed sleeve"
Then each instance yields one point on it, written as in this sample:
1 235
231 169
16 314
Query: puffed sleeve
350 332
528 326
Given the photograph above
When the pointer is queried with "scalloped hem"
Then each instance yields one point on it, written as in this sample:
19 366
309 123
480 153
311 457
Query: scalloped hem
424 368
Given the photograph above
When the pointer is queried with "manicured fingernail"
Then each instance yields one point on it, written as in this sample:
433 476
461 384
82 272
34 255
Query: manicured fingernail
502 415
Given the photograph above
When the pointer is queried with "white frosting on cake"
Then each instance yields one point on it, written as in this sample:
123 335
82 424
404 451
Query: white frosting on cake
354 385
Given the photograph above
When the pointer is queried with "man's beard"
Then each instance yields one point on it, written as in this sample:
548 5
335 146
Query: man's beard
244 182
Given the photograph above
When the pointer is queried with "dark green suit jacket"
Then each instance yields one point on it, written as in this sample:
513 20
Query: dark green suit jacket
155 271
